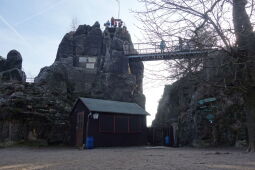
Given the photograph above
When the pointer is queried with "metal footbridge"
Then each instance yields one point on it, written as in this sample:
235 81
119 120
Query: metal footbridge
151 51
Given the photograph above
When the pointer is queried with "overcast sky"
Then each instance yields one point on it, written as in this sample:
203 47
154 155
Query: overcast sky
36 27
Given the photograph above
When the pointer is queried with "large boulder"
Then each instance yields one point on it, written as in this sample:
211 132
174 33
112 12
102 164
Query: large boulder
11 68
14 60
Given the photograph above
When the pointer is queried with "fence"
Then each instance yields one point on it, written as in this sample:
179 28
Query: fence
30 79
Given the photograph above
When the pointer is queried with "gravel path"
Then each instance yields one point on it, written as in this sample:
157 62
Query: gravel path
133 158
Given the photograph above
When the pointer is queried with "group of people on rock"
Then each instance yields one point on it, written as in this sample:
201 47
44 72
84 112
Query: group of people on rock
114 23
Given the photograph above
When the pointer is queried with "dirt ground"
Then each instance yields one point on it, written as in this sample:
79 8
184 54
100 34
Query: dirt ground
131 158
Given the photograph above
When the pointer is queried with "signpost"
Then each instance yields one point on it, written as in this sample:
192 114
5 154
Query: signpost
206 106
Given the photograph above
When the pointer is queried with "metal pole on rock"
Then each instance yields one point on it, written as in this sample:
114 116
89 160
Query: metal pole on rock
119 8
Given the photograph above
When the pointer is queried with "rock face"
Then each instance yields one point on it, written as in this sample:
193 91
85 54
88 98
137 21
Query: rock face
14 60
29 111
10 68
207 113
89 63
32 112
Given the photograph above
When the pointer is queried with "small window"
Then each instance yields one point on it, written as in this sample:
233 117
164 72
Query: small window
106 123
121 124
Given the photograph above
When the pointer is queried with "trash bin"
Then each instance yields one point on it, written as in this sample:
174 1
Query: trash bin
90 142
167 140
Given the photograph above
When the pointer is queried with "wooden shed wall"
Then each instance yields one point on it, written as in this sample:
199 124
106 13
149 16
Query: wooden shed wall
117 138
107 138
79 107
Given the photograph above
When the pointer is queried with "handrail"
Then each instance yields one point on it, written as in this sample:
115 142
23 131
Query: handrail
154 47
30 79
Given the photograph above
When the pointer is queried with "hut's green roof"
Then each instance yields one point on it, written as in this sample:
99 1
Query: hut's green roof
108 106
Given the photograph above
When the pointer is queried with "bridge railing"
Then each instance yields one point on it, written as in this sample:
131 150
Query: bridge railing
30 79
150 47
154 47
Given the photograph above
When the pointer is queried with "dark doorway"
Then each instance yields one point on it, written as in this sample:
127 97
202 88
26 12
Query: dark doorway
80 129
157 136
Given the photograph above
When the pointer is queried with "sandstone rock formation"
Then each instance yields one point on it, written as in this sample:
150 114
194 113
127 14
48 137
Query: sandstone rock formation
10 68
219 122
89 63
32 112
92 63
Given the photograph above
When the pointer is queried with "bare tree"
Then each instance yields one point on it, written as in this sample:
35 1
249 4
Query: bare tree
200 40
230 23
74 24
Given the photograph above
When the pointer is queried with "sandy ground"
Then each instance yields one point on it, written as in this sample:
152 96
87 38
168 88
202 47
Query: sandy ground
131 158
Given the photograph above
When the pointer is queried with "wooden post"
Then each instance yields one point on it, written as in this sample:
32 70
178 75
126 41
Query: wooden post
87 127
152 132
10 130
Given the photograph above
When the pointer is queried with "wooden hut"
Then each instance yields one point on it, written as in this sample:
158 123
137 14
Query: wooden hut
110 123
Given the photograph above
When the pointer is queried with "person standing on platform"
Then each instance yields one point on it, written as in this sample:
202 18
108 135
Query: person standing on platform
180 44
120 23
107 24
162 46
112 22
115 23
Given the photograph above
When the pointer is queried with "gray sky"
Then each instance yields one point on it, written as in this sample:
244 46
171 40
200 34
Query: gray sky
35 28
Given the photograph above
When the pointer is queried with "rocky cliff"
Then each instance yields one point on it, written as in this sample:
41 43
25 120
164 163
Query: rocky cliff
89 63
30 112
206 109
